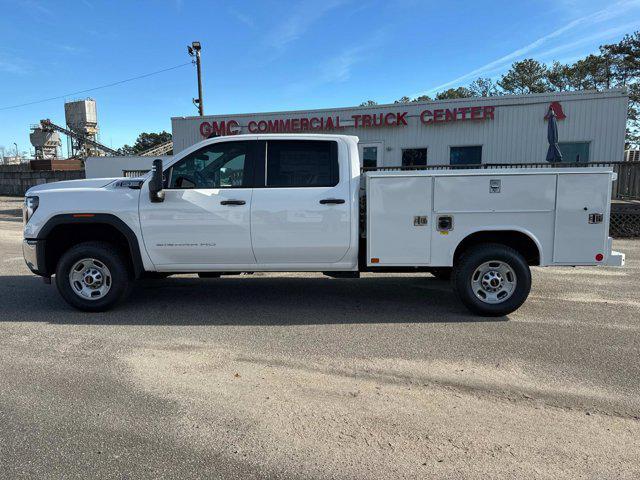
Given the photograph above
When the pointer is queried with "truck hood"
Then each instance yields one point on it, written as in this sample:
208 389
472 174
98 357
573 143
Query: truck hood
71 184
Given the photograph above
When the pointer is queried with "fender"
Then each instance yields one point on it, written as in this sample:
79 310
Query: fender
91 218
506 228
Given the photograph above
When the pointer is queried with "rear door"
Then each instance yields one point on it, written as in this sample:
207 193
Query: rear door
301 213
581 229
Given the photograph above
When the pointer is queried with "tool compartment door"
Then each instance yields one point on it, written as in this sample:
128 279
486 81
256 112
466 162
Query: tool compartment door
399 220
580 195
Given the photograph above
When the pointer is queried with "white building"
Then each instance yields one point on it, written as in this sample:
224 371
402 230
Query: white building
504 129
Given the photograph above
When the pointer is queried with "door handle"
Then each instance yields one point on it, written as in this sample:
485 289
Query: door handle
232 202
331 200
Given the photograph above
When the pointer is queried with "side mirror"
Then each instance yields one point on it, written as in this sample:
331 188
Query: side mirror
156 195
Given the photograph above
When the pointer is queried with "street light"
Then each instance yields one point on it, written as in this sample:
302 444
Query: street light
194 51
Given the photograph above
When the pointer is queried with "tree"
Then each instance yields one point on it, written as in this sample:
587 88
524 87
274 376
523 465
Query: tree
527 76
624 60
421 98
145 141
460 92
483 87
559 77
369 103
591 73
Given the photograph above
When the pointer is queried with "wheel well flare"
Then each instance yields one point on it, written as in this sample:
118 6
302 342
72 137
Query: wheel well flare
519 241
63 232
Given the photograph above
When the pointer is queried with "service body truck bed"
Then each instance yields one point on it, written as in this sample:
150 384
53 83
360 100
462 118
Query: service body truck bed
564 211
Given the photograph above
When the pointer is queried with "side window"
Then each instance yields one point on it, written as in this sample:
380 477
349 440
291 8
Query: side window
574 152
414 157
220 165
465 155
302 163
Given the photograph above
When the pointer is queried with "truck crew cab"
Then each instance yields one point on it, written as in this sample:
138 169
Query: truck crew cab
293 203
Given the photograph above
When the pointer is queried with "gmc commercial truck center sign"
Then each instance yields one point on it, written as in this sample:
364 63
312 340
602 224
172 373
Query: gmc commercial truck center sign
330 123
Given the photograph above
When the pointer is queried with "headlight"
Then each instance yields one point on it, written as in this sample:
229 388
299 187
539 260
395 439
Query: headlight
29 207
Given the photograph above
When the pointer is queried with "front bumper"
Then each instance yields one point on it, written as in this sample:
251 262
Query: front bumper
33 253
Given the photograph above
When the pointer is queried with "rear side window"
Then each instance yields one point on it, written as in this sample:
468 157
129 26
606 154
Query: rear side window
302 163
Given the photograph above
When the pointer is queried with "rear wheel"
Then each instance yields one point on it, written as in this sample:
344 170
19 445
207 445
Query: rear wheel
92 276
492 279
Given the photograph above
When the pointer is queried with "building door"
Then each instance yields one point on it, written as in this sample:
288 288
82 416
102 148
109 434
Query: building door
371 154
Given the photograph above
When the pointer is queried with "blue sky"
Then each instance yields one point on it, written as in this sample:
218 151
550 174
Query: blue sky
272 55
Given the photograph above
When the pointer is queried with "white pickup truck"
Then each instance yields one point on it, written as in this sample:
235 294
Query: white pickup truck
251 203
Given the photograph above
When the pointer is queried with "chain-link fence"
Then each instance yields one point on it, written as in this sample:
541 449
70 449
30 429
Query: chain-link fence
625 220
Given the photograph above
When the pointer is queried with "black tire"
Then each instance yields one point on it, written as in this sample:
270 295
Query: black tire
209 275
120 278
442 273
480 255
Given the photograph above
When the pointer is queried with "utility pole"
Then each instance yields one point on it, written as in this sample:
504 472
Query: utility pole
16 145
194 51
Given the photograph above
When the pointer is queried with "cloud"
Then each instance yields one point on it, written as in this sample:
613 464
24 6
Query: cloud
68 48
295 25
13 65
601 35
612 11
9 67
37 7
338 67
241 17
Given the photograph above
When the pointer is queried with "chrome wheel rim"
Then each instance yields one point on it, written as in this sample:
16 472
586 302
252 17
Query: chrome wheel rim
90 279
494 282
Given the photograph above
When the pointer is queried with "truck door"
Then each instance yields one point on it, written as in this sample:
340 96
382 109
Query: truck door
204 219
581 228
302 214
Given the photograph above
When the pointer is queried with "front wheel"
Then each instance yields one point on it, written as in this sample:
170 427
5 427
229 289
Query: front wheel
492 279
92 276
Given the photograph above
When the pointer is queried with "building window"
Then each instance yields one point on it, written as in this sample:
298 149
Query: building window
466 155
369 157
574 152
302 163
414 157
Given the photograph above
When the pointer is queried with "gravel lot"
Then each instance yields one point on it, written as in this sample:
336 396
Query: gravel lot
302 376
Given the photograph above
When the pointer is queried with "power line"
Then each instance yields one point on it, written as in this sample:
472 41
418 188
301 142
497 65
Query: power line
96 88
